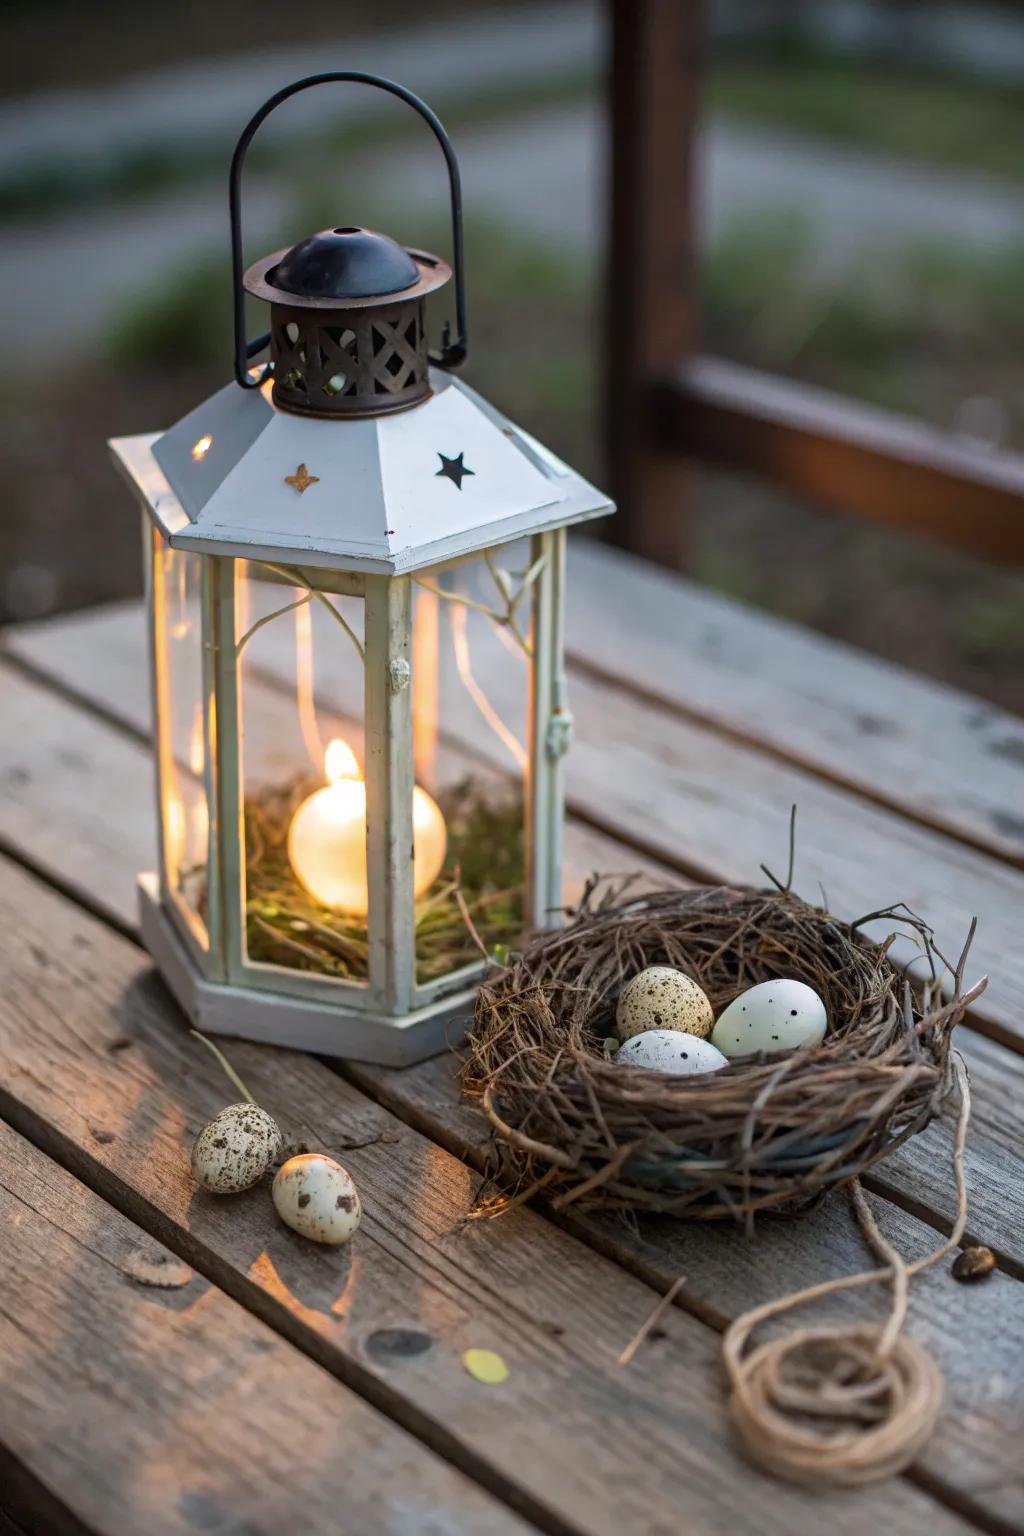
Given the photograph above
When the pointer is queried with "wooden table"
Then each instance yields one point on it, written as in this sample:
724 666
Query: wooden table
280 1388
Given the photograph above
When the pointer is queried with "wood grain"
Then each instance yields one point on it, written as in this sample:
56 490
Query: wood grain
101 1073
931 752
446 1115
62 768
680 794
128 1409
916 1175
976 1334
842 453
42 825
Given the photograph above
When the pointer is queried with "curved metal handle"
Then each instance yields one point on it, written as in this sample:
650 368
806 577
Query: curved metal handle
453 353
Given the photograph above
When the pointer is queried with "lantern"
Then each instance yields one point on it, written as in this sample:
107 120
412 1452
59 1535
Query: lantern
355 590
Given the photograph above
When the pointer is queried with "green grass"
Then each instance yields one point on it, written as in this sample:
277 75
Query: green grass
908 113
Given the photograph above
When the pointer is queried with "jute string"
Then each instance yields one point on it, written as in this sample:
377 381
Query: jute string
847 1405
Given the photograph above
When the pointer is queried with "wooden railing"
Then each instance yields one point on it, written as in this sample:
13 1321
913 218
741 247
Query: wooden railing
667 406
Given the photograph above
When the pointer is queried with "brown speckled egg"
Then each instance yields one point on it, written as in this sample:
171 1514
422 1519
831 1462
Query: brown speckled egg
316 1198
663 998
235 1149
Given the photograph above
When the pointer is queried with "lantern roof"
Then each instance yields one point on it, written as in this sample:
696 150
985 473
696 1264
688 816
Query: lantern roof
347 263
390 493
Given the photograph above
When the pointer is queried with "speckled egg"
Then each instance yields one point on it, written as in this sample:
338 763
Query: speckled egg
235 1149
670 1050
316 1198
663 998
773 1016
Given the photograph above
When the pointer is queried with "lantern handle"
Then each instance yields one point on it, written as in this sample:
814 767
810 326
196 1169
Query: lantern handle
452 353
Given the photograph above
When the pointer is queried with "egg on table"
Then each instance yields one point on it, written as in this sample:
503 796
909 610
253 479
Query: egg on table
776 1015
234 1150
670 1050
662 997
316 1197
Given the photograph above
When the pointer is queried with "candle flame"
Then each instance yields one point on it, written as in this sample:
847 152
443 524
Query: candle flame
202 447
340 761
327 836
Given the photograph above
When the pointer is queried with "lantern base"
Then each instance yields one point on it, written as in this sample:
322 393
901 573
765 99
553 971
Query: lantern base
217 1008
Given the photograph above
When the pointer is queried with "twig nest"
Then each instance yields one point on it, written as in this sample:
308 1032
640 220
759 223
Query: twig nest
317 1198
662 997
775 1131
670 1050
778 1015
235 1149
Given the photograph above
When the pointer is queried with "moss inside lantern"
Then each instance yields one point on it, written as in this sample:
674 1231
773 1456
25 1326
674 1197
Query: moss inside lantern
479 893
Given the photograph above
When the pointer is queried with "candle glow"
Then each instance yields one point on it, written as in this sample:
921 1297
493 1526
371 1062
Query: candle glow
327 836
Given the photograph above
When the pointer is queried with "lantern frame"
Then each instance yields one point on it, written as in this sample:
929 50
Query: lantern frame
371 515
391 1019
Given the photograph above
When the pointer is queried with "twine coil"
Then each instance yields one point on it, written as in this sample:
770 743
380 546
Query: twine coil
843 1406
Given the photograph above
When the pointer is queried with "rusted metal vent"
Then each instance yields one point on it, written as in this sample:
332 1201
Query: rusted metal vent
347 329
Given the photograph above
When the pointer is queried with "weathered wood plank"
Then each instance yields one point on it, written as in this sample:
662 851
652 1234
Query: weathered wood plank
931 752
78 804
682 793
101 1073
125 1408
679 793
43 821
841 453
76 796
726 1274
917 1175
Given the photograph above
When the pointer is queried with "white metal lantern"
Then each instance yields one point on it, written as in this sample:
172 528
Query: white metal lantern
355 586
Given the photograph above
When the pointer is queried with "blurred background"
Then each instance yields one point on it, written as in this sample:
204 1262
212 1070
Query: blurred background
861 223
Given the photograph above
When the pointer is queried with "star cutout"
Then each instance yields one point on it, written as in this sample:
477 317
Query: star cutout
302 479
454 470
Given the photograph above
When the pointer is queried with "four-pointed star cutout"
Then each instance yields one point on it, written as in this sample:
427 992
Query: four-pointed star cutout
454 470
302 479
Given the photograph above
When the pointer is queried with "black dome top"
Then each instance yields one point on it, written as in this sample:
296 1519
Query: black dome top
345 264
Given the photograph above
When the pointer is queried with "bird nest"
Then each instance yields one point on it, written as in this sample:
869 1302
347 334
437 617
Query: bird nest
771 1132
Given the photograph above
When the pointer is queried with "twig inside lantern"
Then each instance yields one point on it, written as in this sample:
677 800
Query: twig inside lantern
460 645
504 617
294 578
276 613
305 685
474 905
287 926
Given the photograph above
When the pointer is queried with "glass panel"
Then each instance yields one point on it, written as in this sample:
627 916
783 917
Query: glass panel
301 765
181 735
470 692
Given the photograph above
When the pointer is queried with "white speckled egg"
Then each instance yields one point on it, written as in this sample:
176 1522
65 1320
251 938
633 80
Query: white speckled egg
316 1198
663 998
670 1050
235 1149
773 1016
